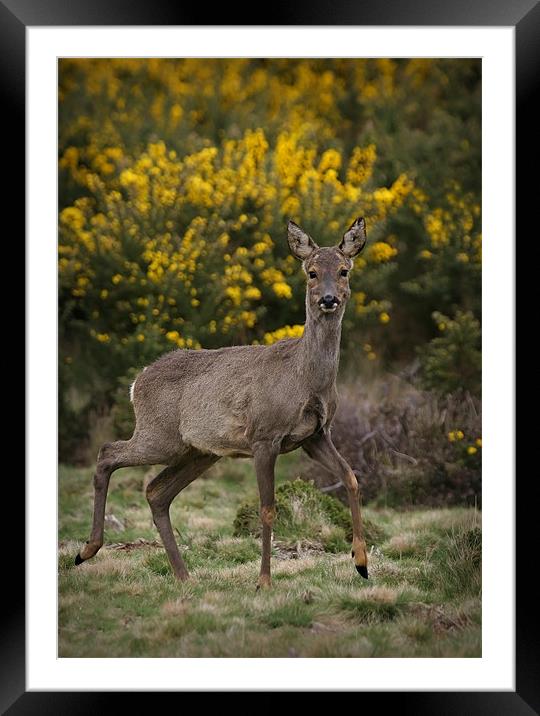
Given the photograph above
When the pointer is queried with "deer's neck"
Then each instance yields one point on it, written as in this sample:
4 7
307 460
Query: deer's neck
319 350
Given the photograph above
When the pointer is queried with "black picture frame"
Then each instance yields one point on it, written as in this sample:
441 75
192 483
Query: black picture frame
524 16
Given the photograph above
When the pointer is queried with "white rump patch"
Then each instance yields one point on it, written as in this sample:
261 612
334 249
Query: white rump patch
132 386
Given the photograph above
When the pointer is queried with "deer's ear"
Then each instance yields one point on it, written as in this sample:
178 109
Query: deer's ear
300 243
354 239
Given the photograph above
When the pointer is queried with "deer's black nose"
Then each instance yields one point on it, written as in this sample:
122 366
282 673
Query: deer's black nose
329 301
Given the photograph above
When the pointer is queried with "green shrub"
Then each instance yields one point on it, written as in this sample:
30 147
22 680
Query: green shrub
452 362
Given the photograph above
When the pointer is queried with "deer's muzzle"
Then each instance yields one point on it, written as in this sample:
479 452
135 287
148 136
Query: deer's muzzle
329 303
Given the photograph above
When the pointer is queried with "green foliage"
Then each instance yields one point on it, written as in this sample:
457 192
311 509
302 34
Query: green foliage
159 564
297 614
452 361
370 610
122 410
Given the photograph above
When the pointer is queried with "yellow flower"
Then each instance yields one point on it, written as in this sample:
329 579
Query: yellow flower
479 442
272 275
116 278
295 331
442 326
361 164
103 337
452 436
331 159
462 257
459 435
435 226
425 254
381 252
383 195
471 450
176 113
249 318
282 289
260 247
384 317
140 338
291 206
371 355
72 217
253 293
235 294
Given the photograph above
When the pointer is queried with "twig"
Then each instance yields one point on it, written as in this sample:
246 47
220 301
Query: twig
413 460
387 439
471 404
367 437
329 488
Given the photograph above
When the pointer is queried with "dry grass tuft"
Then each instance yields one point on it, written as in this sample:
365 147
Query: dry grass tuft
105 565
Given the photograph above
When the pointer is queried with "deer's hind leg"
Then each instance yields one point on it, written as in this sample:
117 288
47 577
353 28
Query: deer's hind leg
123 453
320 448
162 490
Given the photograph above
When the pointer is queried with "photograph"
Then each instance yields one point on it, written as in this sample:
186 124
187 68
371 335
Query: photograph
269 357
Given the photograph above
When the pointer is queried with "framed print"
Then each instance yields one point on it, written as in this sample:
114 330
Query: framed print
163 161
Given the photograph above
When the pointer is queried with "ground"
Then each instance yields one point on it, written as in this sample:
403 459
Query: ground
422 598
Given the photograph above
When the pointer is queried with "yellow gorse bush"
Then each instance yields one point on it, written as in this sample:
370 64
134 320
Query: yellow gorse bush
206 228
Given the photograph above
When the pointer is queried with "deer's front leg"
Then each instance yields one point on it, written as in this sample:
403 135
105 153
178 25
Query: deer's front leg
320 447
265 459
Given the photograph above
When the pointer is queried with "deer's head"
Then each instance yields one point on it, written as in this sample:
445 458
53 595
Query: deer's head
327 268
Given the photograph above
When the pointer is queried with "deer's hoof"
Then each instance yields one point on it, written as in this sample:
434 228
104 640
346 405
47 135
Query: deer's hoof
362 571
78 560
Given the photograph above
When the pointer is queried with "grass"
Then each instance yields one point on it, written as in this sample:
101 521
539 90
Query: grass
422 598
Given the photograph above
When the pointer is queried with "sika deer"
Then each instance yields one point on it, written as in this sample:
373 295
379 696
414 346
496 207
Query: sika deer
193 407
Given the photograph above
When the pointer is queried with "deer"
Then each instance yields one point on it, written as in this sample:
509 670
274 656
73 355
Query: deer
193 407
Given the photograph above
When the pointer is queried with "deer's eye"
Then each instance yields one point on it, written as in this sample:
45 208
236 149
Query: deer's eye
344 272
312 274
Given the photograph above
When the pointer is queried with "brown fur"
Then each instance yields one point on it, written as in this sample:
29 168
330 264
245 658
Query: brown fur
194 407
